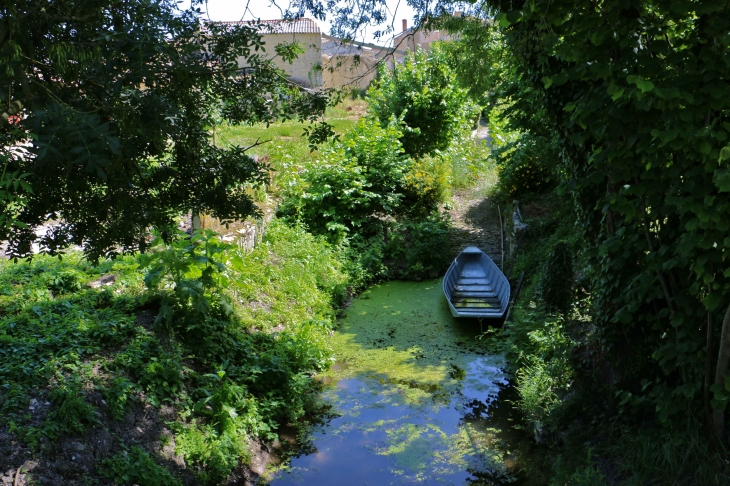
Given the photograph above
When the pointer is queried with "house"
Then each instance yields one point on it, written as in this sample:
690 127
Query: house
305 70
351 64
411 39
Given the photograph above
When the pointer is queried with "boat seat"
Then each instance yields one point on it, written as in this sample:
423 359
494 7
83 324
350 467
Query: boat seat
474 293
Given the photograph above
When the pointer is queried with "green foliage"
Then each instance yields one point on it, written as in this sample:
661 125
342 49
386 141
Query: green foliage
681 456
118 395
418 248
136 467
641 129
50 338
13 184
540 348
469 159
212 454
291 279
426 185
411 249
191 275
526 167
477 55
156 370
424 94
218 446
358 177
536 386
365 260
238 337
582 472
556 287
117 102
71 413
64 282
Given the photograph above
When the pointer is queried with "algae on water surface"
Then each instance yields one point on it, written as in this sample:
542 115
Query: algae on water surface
411 389
403 333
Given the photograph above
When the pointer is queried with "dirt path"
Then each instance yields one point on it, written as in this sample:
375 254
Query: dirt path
476 221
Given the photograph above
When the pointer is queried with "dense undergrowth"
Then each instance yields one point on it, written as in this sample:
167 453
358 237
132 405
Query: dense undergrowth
231 352
552 345
611 135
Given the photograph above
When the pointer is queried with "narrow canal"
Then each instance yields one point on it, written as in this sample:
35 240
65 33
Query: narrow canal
413 399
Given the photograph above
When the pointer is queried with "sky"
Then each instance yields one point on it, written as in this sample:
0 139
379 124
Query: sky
266 10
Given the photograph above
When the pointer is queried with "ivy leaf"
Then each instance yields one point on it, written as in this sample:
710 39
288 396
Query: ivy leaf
641 83
507 19
712 301
502 19
724 154
645 86
615 92
722 179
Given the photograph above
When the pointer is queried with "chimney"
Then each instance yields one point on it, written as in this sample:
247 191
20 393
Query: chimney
405 25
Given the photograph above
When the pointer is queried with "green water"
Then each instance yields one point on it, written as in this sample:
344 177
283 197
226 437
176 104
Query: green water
413 398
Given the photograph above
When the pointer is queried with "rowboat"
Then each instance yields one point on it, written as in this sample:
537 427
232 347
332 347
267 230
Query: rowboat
475 286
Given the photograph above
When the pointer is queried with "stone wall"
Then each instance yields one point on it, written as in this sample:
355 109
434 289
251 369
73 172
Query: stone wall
306 70
344 71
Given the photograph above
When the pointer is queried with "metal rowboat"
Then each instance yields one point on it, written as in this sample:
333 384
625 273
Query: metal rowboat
475 286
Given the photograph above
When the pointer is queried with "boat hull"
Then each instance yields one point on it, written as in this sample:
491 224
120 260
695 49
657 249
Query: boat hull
475 287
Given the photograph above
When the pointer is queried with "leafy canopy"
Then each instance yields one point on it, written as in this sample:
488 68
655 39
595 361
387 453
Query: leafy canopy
114 98
635 95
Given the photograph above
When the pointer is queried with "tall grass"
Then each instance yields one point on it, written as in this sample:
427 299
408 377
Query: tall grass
682 457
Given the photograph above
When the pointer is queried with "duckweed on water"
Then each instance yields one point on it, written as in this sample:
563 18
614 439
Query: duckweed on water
410 389
403 333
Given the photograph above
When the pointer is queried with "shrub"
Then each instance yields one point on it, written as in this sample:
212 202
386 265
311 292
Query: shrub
364 260
423 92
419 248
358 179
526 167
426 185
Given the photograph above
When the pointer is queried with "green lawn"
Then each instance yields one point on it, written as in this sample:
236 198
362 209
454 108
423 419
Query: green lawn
341 117
287 150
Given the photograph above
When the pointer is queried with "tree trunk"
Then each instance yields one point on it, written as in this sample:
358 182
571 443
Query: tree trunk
723 359
708 372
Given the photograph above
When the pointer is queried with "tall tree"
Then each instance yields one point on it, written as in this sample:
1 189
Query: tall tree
636 94
113 100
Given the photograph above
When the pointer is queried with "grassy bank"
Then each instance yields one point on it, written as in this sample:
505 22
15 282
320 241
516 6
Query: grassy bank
165 374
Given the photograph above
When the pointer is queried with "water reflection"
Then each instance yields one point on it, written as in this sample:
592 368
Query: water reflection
383 436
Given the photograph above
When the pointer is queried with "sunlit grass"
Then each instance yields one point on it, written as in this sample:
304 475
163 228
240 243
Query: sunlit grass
341 117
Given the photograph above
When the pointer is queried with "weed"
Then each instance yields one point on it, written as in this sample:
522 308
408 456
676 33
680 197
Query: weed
682 456
213 453
136 467
118 395
71 413
237 339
